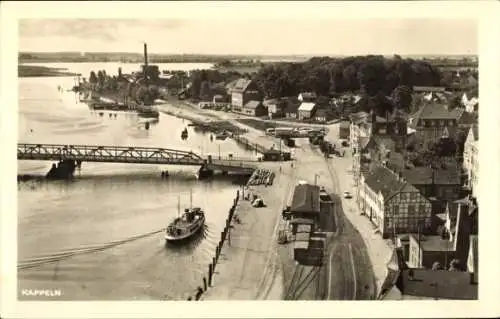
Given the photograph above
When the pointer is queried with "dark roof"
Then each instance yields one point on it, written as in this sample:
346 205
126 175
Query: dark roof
305 199
441 284
321 113
435 111
383 180
422 175
429 89
291 106
241 85
434 243
252 105
469 118
359 117
302 221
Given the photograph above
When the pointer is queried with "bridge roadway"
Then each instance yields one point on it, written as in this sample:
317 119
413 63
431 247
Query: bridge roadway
133 155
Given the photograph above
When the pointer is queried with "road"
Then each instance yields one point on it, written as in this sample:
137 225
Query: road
347 272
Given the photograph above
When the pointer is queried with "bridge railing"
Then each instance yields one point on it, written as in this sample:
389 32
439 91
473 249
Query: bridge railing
86 152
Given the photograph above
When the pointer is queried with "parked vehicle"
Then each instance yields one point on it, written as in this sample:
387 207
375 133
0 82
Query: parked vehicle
347 195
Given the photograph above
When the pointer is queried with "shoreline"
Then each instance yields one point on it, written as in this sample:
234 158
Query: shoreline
28 71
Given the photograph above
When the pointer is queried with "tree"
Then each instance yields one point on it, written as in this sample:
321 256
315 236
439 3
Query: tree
402 97
92 77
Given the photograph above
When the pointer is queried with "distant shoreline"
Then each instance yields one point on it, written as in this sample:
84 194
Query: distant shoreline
25 71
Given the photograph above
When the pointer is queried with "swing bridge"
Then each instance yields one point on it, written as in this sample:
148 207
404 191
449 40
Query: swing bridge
132 155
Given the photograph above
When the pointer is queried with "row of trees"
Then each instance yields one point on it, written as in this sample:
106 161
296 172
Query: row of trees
328 76
118 87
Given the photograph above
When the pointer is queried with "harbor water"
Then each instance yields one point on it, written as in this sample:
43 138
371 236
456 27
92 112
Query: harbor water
99 236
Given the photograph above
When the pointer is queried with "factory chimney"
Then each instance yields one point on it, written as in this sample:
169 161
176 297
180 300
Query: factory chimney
145 54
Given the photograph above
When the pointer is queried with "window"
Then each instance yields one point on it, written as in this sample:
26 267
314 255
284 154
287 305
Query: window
395 210
421 209
411 210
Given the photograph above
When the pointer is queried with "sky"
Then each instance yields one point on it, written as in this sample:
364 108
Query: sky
259 37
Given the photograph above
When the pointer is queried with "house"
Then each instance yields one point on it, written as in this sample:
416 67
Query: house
344 130
392 204
307 97
471 102
442 182
452 240
306 110
434 121
254 108
243 91
321 115
427 284
471 159
305 202
275 108
291 109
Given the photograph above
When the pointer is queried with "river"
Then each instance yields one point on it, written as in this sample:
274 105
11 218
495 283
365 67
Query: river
79 236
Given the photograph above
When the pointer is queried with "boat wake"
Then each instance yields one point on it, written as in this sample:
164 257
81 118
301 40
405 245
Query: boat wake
67 253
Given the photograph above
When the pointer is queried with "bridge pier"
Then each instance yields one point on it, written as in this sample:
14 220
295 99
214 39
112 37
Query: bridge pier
62 170
205 172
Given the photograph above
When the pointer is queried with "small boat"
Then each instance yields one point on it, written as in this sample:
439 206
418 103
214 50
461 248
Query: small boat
185 226
221 136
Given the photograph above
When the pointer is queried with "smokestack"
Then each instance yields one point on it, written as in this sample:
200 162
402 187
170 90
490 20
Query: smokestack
145 54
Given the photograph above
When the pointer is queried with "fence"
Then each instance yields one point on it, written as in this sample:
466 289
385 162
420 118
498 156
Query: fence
207 281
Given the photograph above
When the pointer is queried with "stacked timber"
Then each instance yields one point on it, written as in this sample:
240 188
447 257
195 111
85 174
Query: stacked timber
261 177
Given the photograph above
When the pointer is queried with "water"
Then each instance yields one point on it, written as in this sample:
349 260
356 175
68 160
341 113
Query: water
80 236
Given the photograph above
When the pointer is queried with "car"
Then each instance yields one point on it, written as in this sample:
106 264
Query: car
347 195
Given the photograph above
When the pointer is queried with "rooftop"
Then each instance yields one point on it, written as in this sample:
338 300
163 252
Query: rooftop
434 243
435 111
305 199
439 284
383 180
423 175
321 113
252 104
307 106
241 85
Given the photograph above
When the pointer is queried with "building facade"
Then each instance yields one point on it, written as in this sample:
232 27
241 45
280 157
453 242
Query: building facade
471 159
393 205
433 122
306 110
242 92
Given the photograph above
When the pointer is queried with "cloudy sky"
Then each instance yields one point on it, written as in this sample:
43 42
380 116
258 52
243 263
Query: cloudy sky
272 37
